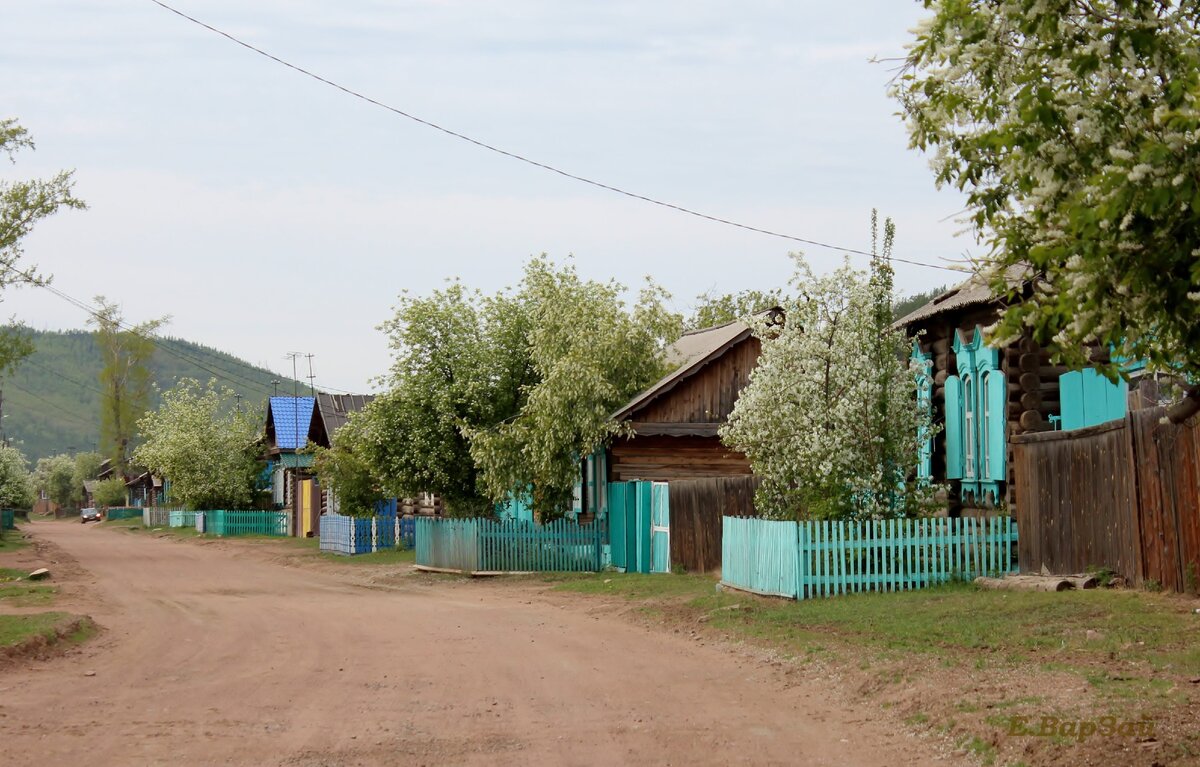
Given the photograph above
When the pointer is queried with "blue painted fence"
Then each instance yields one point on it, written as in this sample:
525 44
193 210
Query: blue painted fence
486 545
364 535
816 559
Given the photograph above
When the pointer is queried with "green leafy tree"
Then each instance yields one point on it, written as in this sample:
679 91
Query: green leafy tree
459 363
87 467
22 205
124 379
1071 126
830 419
16 483
203 444
109 492
56 476
718 309
344 470
589 353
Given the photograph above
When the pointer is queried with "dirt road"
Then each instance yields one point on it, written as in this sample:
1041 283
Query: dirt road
214 654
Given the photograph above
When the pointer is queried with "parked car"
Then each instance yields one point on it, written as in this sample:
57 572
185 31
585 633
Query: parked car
90 514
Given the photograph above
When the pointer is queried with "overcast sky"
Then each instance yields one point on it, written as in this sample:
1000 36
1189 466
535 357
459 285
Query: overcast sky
267 213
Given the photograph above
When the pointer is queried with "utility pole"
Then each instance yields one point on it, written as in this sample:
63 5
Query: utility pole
239 403
311 386
276 385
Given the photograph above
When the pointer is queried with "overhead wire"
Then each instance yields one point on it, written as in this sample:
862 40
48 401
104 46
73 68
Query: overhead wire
158 341
57 407
535 163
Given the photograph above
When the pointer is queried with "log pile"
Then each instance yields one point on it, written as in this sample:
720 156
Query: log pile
1038 582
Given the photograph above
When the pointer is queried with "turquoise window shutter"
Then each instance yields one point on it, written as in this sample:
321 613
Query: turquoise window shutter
1070 392
997 397
954 428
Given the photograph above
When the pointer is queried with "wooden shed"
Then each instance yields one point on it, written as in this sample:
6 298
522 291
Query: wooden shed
674 422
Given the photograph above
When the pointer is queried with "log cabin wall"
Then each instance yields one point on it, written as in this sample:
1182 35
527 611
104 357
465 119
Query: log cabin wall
661 459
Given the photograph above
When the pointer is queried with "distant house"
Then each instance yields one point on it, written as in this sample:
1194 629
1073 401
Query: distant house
292 424
981 395
144 490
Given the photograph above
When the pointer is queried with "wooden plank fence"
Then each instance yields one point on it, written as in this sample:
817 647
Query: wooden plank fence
823 558
1123 495
230 523
156 516
491 546
698 507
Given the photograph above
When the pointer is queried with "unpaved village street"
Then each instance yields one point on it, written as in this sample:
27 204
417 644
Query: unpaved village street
218 654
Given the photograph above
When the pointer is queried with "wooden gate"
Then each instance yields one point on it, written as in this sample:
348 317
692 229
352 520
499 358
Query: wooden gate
660 528
630 511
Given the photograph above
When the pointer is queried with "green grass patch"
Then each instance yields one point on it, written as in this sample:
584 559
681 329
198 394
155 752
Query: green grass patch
985 628
26 594
12 540
16 629
382 557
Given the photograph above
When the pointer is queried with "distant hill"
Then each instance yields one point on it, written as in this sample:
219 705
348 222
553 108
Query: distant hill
52 402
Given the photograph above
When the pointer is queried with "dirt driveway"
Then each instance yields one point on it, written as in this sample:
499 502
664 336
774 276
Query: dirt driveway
215 654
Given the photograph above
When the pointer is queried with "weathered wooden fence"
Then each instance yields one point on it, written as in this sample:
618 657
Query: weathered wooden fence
181 518
811 559
155 516
697 508
230 523
363 535
490 546
1123 495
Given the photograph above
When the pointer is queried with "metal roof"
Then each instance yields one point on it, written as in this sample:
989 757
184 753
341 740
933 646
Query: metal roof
334 409
973 291
291 417
691 352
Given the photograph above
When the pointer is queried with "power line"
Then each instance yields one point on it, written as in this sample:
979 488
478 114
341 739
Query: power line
68 379
59 408
527 160
158 341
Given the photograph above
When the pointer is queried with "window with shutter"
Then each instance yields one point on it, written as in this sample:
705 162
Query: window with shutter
996 395
924 362
954 428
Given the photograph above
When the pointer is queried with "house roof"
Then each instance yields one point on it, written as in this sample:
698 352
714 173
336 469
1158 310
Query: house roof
690 353
334 409
291 418
973 291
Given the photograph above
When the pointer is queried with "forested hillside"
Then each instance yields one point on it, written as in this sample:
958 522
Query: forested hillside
52 402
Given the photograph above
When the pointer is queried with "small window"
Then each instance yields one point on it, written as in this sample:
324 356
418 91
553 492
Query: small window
969 427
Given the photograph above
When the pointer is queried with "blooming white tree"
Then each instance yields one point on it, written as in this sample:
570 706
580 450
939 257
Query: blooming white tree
830 419
1074 129
205 446
16 483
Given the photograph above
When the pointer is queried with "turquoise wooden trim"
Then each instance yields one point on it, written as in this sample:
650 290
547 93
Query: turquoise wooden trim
996 395
617 535
954 428
924 362
1089 398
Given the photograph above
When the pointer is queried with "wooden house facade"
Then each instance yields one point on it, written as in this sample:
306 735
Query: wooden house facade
981 396
673 424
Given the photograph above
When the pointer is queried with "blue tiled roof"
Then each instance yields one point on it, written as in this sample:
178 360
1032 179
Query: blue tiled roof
291 416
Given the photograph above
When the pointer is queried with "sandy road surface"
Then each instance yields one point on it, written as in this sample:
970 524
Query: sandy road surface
213 654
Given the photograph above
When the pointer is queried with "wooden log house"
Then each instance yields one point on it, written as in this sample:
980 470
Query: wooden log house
981 396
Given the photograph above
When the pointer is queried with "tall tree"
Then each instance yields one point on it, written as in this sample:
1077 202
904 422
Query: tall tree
22 205
829 419
56 476
1071 125
200 441
124 379
589 353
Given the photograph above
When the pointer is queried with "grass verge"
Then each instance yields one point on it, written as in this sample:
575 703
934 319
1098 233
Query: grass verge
49 627
962 662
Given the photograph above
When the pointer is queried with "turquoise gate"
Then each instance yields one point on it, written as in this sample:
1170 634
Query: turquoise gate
639 526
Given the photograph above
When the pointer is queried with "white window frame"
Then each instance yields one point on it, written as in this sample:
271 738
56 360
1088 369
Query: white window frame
968 427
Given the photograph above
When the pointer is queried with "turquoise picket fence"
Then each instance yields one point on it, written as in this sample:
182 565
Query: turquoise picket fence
122 512
228 523
485 545
8 519
811 559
